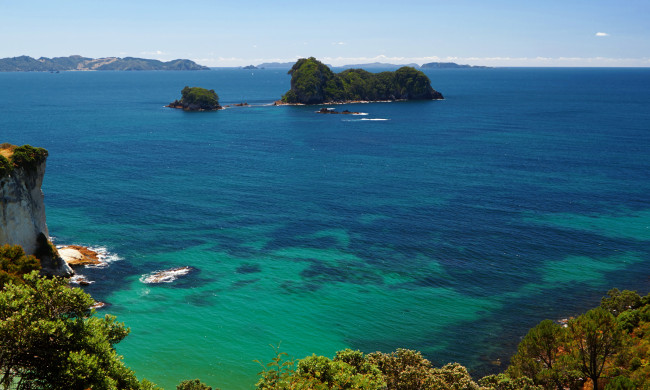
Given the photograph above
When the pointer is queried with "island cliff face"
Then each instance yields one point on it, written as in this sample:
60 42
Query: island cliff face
312 82
22 210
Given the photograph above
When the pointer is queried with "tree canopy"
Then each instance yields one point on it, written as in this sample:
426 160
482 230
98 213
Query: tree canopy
14 264
49 339
610 342
196 98
312 82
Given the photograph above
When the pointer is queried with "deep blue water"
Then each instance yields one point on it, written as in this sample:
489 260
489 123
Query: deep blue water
450 226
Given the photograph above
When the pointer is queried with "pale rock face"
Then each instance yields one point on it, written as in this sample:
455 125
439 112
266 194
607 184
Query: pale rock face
22 215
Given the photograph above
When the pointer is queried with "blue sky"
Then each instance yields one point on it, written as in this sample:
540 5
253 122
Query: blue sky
234 33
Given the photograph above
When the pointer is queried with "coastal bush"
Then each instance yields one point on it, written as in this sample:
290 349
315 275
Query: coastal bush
193 385
504 382
28 157
595 339
312 82
619 301
539 356
49 339
5 166
14 264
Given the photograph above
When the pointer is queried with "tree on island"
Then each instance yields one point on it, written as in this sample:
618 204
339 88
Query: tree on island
197 99
312 82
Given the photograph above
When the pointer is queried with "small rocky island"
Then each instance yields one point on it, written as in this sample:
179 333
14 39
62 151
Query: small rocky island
326 110
313 82
197 99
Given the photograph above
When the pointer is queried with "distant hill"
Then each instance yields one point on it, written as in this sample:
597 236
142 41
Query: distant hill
447 65
43 64
377 65
276 65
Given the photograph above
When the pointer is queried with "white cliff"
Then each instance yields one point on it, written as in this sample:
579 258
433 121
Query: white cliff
22 216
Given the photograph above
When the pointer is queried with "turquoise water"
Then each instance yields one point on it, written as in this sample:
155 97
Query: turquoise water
450 226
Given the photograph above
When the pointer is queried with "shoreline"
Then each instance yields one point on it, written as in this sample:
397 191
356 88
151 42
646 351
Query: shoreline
281 103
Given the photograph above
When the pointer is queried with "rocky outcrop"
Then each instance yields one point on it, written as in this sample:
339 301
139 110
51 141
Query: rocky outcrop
166 276
326 110
77 255
22 216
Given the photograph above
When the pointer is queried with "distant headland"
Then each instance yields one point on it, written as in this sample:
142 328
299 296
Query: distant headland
313 82
449 65
372 65
79 63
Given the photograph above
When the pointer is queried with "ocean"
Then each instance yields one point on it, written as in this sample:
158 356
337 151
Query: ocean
450 227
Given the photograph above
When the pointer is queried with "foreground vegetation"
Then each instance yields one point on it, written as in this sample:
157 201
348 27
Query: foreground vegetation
312 82
51 339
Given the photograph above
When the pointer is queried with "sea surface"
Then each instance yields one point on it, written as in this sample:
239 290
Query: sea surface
450 227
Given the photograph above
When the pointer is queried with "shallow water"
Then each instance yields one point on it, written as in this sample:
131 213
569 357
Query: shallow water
450 227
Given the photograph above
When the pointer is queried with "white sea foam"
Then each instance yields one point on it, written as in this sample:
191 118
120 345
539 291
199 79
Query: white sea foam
361 113
374 119
80 279
104 256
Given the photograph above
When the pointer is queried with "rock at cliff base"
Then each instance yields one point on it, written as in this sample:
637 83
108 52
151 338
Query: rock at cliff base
75 255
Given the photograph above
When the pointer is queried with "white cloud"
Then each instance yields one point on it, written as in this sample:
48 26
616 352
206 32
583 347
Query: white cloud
602 34
153 53
338 43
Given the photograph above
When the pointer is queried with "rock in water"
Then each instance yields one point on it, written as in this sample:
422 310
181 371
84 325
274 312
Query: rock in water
166 276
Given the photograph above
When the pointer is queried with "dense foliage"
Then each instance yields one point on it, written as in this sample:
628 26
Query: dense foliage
401 370
312 82
193 384
5 166
25 156
610 343
49 339
14 264
197 99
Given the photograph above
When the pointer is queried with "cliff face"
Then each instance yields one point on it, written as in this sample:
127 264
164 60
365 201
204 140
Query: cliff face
22 217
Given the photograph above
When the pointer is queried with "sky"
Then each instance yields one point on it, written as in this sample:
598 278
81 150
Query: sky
238 33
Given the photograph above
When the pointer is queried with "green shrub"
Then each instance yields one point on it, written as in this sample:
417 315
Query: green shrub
621 383
5 166
193 385
14 263
28 157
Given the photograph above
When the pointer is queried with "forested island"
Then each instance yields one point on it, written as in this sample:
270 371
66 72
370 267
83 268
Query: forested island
313 82
197 99
56 64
